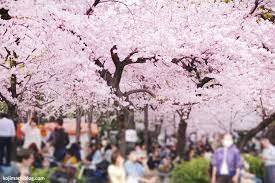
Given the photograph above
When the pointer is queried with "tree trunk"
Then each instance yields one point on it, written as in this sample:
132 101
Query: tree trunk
121 123
271 133
12 112
78 125
90 120
130 115
181 138
155 134
254 131
126 121
146 124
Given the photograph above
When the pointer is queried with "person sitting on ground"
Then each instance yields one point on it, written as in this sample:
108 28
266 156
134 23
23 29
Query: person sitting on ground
38 157
190 154
165 168
247 177
99 155
25 160
70 158
173 152
76 148
20 169
89 153
164 151
135 170
46 152
208 153
154 159
165 165
109 150
116 171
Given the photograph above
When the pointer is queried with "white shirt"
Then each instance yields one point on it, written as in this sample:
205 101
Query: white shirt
116 174
32 135
7 128
224 168
269 154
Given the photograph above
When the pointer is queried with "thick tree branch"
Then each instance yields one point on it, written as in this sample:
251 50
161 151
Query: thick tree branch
128 58
204 81
4 14
263 110
104 73
180 113
140 60
96 3
254 131
131 54
139 91
114 56
256 5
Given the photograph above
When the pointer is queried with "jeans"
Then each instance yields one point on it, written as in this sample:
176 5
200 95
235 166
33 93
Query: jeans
269 176
5 150
59 154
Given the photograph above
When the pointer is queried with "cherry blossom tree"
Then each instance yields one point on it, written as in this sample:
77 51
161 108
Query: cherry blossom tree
169 55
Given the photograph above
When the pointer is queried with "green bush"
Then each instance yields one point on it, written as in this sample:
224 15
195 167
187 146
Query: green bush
194 171
45 172
255 165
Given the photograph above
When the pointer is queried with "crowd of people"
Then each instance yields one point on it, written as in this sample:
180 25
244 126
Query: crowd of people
102 161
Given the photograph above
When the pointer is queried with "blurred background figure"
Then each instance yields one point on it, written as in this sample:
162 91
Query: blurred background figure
31 134
7 133
268 156
59 139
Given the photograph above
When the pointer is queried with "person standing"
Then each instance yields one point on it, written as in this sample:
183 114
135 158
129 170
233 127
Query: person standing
31 133
59 139
226 162
268 156
7 133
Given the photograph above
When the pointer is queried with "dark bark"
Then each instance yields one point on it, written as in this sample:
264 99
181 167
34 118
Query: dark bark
271 133
78 124
4 14
181 138
121 123
90 120
256 5
130 114
254 131
125 117
146 124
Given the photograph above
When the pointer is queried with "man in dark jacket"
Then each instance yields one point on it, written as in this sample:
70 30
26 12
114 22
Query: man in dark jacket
59 139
